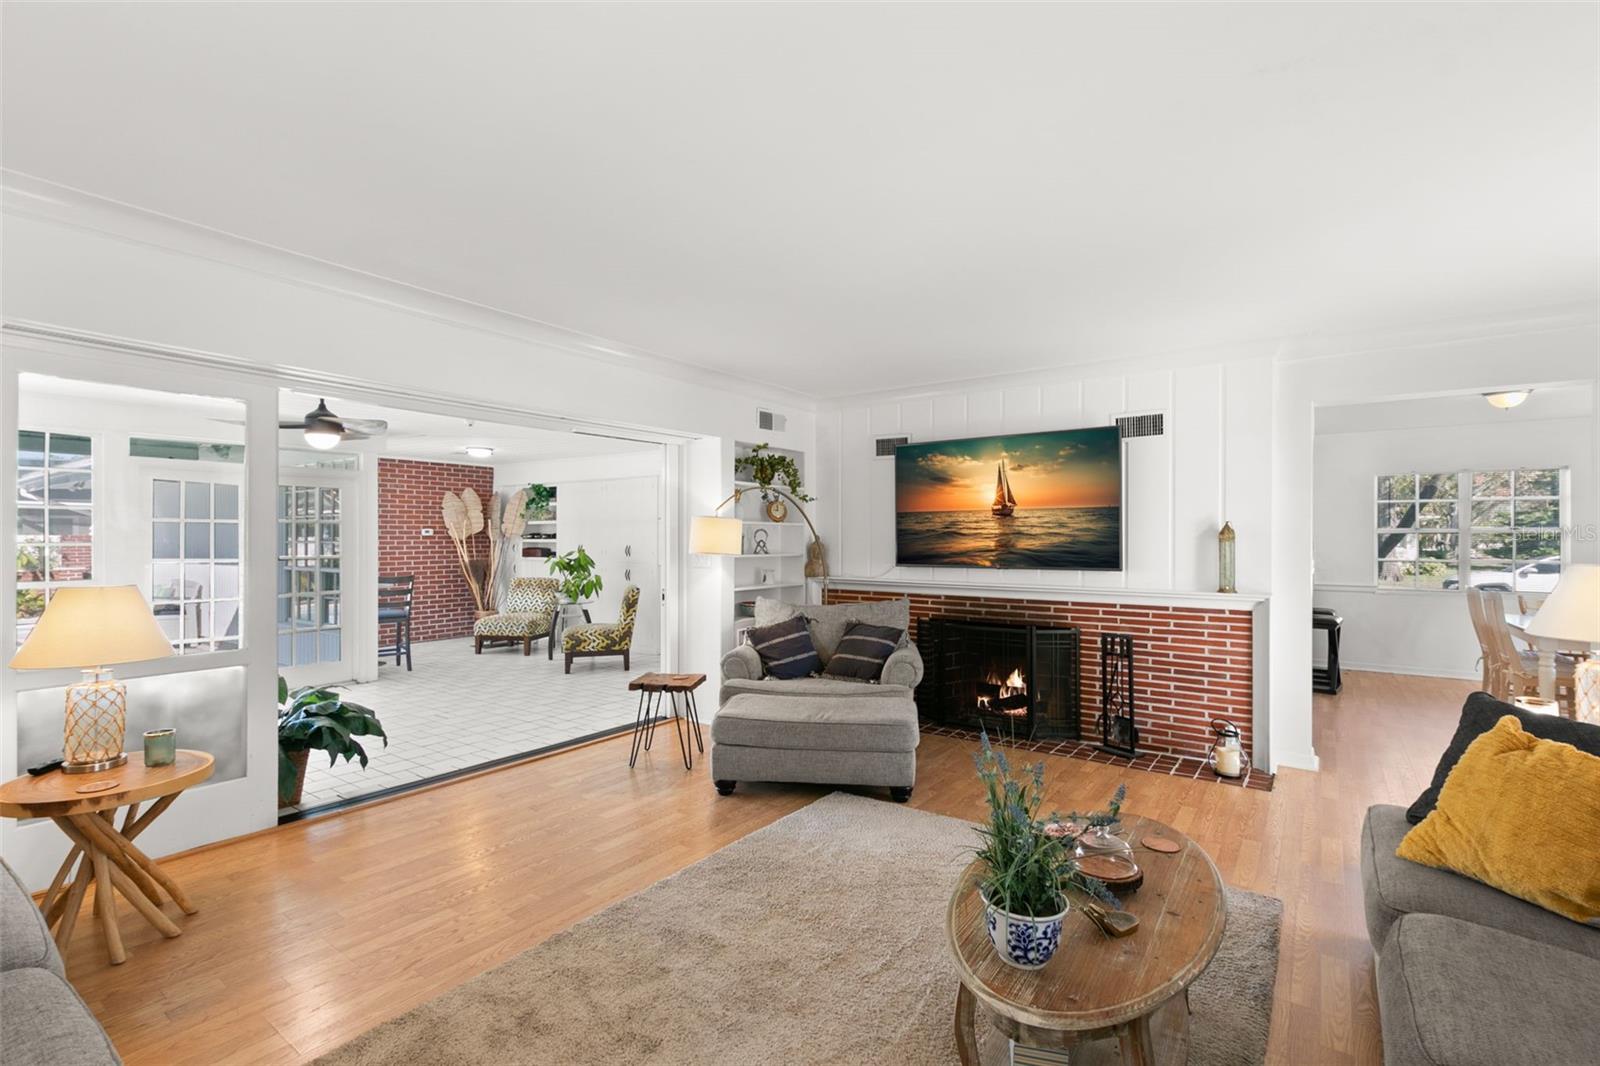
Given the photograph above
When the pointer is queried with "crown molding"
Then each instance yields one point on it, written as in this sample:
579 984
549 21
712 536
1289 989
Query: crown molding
25 196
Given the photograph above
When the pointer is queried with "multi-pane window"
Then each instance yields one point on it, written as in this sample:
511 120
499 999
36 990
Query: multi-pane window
1498 529
1419 531
195 576
55 519
1516 530
309 575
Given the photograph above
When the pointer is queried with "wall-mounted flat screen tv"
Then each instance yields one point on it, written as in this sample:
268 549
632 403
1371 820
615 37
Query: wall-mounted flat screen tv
1024 501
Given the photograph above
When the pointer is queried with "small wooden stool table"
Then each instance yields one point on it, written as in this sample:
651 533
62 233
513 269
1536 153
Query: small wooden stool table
650 688
1133 989
85 807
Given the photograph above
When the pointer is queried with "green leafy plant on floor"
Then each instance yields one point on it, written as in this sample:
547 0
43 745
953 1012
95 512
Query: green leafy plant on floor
579 580
318 719
540 497
768 468
1026 869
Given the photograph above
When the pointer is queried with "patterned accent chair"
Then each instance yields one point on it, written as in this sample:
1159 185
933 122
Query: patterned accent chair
604 638
527 614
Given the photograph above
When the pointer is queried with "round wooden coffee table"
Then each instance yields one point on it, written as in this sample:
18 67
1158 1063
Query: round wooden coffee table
1134 990
84 806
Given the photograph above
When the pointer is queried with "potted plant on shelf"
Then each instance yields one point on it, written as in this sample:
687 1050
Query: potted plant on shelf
1028 863
320 719
541 501
768 469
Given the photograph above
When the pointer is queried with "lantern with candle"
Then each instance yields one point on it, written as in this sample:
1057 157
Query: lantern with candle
1227 756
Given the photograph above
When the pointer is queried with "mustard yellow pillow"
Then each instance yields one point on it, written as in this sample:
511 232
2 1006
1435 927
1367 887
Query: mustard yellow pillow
1521 814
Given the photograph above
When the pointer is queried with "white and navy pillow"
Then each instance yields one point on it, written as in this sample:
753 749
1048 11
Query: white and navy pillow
786 649
861 652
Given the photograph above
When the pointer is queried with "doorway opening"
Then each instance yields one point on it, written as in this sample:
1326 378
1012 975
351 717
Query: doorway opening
415 575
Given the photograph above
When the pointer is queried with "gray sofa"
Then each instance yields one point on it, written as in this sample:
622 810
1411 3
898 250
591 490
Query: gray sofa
1467 975
43 1022
820 730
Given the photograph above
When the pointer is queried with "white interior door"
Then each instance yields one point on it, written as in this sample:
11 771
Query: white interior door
193 555
618 522
318 520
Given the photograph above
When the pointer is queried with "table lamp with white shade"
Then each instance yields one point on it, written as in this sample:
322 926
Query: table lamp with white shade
1572 613
92 628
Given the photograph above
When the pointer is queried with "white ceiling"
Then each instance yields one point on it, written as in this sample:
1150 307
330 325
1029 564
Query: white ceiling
838 198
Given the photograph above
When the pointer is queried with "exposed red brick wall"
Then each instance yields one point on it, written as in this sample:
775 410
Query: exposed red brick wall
409 497
1191 664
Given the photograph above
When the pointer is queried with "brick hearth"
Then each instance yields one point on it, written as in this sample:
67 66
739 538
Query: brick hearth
1192 664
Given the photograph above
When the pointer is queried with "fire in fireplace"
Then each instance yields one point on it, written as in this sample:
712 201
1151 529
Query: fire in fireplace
1016 680
1008 697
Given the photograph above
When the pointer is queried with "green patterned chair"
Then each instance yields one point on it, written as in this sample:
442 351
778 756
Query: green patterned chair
604 638
527 614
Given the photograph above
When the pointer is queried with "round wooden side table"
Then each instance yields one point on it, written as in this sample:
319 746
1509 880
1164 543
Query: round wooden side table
84 806
1133 990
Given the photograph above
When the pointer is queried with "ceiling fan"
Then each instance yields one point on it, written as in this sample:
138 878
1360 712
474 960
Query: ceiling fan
323 429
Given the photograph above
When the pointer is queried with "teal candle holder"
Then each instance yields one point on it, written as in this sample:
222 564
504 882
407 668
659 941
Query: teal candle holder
160 747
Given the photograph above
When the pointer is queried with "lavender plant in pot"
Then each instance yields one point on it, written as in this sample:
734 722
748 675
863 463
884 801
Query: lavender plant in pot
1028 862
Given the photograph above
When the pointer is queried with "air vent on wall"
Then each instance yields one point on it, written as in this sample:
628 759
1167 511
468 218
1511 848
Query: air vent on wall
1142 425
887 445
770 420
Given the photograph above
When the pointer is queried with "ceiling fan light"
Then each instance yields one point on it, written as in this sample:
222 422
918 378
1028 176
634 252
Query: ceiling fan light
1507 399
479 451
321 437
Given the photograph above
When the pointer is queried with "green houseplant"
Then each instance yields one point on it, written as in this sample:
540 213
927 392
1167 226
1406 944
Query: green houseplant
768 468
540 499
579 580
1028 863
313 718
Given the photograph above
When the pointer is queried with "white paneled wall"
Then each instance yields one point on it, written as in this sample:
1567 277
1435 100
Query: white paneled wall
1213 463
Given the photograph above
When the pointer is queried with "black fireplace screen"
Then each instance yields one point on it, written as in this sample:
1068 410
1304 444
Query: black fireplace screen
1015 680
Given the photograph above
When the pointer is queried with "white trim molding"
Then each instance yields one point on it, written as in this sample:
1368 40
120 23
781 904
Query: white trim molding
1216 601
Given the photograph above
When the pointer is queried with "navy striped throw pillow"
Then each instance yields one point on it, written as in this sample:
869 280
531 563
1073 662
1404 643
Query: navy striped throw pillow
862 651
786 649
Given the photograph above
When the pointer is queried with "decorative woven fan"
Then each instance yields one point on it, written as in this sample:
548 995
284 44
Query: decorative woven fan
463 520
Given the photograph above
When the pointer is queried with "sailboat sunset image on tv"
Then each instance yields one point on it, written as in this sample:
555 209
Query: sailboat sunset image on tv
1046 501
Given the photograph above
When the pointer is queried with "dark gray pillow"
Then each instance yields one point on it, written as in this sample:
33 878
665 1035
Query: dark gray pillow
1478 715
860 653
786 649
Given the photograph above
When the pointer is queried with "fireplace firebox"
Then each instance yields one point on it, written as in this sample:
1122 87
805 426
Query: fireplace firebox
1012 679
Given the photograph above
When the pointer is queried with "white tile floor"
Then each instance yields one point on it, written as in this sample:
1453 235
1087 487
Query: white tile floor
456 709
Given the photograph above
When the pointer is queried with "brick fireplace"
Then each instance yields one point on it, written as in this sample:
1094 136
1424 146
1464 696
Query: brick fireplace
1192 664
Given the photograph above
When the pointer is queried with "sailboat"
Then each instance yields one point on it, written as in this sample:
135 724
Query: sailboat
1005 504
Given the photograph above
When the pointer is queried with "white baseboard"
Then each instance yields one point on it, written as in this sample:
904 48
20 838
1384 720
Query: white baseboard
1298 760
1409 671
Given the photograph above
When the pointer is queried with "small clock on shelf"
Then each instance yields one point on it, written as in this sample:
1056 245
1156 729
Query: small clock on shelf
777 510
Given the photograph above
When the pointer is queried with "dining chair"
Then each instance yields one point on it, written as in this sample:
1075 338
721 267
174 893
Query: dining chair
395 593
1486 654
1518 671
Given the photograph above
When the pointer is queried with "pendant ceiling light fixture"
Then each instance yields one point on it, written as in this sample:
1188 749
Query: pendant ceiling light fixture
1507 399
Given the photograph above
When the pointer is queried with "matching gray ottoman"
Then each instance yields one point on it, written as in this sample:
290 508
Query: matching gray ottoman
845 740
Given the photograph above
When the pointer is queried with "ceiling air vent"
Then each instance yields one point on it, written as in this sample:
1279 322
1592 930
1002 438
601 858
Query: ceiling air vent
1142 425
770 420
886 446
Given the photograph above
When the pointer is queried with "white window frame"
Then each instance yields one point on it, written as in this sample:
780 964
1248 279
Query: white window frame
1464 529
49 583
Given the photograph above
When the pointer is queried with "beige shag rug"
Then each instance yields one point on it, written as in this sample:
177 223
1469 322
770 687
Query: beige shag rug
818 939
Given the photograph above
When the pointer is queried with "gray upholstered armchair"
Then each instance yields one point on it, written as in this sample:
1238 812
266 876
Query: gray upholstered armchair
902 672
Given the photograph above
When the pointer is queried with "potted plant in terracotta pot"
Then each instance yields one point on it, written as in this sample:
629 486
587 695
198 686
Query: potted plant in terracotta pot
1028 862
319 719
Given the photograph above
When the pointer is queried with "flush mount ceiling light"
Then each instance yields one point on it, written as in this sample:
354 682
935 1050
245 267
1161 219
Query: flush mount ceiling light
479 451
1508 399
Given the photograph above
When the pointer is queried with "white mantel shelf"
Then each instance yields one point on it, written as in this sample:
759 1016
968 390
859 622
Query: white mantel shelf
1235 601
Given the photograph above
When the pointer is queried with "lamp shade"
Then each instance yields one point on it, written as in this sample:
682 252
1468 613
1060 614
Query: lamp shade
1572 610
89 626
710 535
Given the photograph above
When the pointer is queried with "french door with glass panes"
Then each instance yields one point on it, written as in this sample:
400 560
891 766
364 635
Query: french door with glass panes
315 515
195 570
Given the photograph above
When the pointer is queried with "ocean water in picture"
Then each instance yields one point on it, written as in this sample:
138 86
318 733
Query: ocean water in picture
1052 538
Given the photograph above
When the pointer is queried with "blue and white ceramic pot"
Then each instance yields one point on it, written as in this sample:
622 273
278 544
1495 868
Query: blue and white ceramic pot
1021 941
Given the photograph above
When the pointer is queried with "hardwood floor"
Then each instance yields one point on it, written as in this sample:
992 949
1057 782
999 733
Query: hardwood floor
311 933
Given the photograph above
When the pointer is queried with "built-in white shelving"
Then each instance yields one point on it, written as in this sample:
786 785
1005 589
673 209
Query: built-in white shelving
784 559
